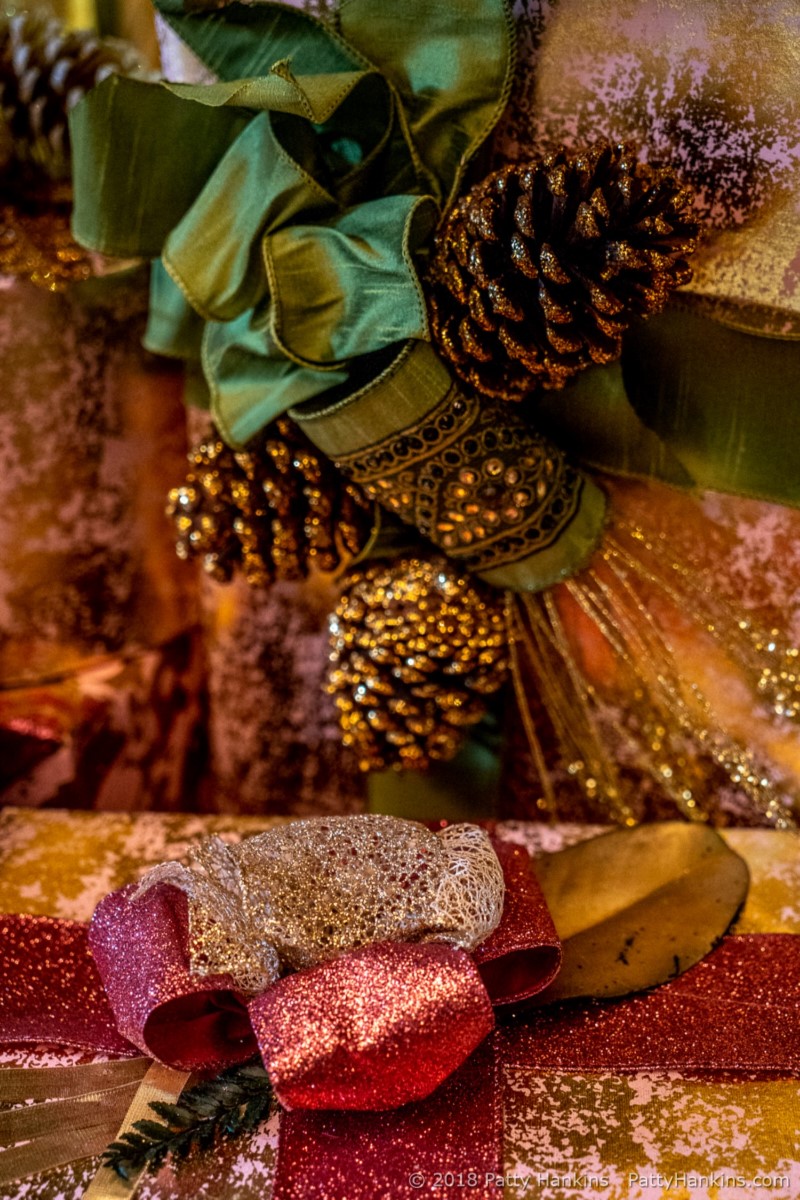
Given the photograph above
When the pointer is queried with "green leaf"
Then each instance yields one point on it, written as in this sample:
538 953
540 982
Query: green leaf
634 908
174 1114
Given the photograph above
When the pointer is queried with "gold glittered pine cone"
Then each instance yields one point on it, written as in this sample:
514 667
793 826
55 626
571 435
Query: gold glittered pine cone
44 71
540 268
273 510
416 648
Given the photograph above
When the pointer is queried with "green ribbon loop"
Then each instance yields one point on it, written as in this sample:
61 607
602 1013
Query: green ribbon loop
249 380
339 289
215 252
141 156
245 40
452 72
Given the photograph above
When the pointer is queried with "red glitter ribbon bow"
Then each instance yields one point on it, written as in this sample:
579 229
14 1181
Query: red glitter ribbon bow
734 1013
374 1029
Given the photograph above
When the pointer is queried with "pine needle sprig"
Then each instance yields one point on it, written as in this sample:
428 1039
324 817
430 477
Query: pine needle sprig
234 1103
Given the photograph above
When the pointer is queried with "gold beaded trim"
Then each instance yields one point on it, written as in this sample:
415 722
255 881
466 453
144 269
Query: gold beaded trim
474 479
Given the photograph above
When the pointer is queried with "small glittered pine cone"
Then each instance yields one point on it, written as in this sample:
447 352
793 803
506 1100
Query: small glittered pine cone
44 71
540 268
273 510
416 647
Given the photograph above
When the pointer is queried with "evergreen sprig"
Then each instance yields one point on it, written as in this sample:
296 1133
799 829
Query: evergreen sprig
238 1100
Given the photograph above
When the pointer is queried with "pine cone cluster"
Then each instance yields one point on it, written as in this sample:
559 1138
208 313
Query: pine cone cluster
273 510
44 71
540 268
416 647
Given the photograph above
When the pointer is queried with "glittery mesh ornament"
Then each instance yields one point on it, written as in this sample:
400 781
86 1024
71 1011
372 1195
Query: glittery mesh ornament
225 919
416 647
540 268
273 510
312 890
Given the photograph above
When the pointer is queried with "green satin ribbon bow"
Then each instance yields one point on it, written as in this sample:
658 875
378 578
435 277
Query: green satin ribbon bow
285 204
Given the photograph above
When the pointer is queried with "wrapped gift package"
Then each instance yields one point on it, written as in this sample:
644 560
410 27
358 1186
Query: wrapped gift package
673 1095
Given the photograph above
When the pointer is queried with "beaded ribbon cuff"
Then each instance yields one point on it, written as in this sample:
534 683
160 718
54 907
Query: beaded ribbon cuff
468 473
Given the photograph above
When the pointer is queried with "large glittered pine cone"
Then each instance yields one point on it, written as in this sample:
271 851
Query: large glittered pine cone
540 268
44 72
273 510
417 646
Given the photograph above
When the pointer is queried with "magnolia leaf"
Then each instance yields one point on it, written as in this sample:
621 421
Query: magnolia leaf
634 908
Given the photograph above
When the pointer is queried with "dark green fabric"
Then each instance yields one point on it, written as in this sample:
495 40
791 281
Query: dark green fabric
692 403
139 164
726 403
339 289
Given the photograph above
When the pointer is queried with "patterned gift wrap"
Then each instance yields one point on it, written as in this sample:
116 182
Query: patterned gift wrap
100 664
568 1132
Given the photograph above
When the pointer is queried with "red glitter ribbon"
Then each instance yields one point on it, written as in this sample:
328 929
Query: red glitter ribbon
380 1027
50 989
736 1011
449 1144
735 1014
193 1022
328 1035
523 955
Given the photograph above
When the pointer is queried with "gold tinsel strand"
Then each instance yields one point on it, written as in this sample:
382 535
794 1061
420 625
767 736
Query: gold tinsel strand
273 510
540 268
667 728
416 647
